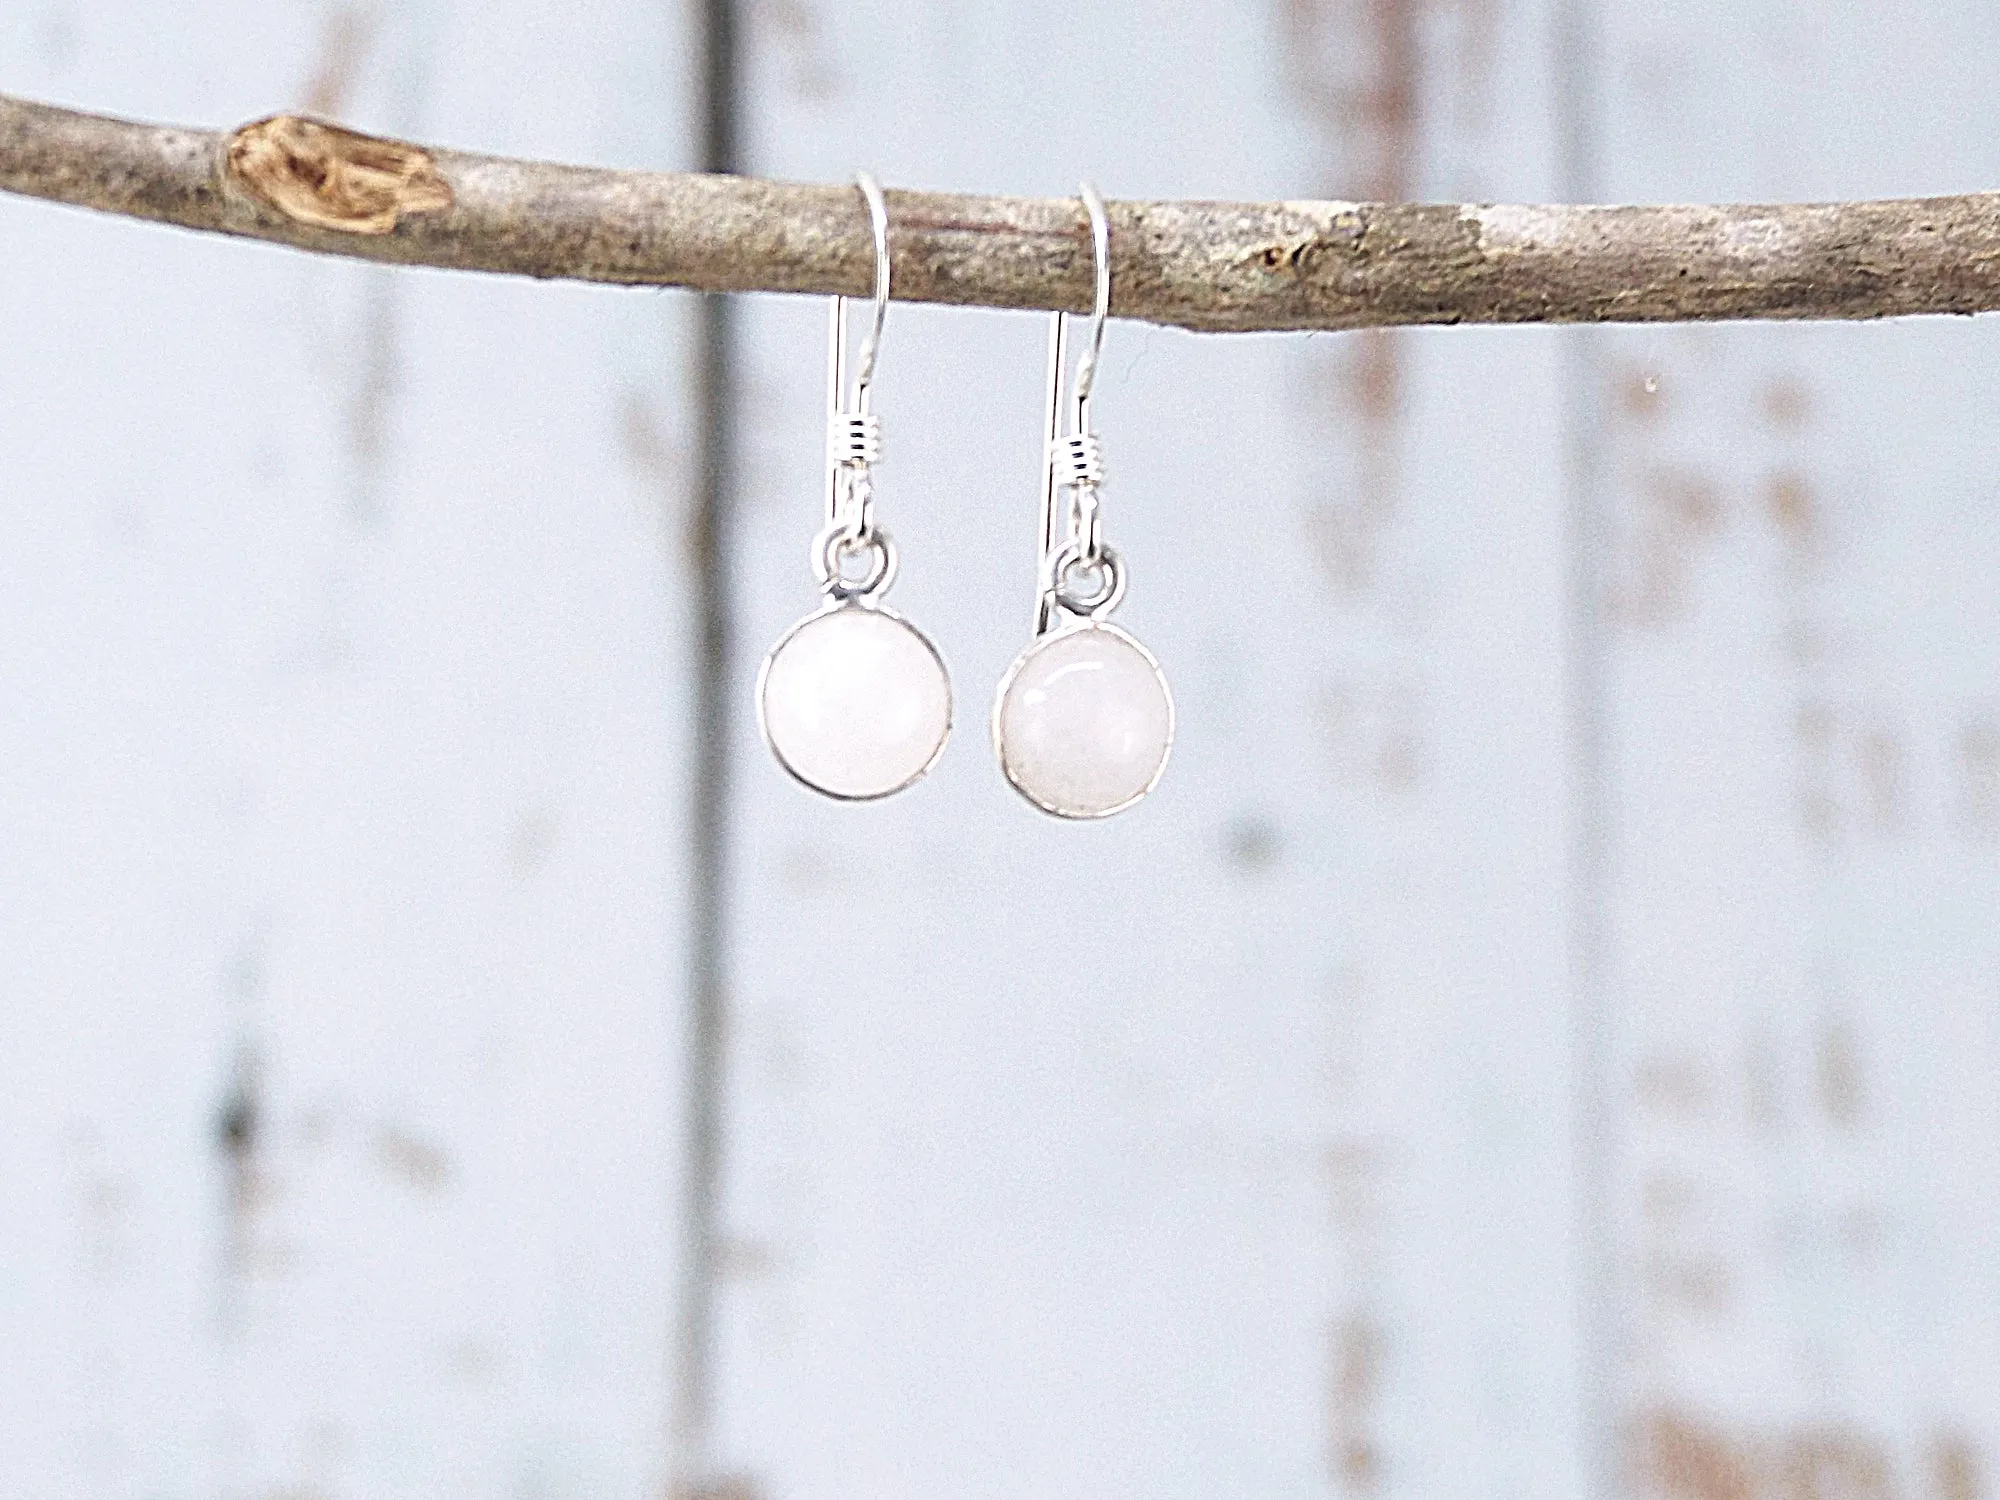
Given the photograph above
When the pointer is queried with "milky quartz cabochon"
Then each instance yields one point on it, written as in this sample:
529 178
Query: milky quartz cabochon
1083 722
854 702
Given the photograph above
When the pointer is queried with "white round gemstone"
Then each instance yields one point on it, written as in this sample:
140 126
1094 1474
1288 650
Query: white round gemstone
854 702
1084 722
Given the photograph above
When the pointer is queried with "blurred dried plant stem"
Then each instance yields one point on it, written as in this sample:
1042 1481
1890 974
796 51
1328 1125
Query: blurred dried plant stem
1210 266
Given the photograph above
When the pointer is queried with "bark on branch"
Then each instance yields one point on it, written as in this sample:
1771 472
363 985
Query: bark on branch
1209 266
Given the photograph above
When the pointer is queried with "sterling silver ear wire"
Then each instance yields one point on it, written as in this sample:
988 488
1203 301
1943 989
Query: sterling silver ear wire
1083 720
853 700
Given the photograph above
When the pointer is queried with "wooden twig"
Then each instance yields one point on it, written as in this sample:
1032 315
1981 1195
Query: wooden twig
1210 266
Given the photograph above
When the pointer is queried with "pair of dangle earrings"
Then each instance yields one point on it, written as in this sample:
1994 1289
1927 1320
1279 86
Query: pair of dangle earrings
854 701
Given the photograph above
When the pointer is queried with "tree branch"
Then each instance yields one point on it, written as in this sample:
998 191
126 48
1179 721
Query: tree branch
1209 266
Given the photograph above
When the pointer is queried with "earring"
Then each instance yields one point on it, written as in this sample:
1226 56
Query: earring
854 700
1083 720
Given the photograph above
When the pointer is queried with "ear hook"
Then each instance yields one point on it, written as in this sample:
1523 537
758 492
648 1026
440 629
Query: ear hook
1074 461
1100 247
878 221
854 436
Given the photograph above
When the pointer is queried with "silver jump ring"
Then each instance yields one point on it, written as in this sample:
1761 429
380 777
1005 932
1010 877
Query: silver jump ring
836 542
1110 566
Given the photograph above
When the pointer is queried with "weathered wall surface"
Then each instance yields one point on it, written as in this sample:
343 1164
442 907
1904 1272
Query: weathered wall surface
1538 1040
342 743
1803 646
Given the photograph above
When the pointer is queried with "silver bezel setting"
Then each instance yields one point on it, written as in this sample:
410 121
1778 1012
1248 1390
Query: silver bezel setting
833 606
1007 682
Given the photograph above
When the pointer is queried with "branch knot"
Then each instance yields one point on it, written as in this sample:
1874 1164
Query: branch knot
334 178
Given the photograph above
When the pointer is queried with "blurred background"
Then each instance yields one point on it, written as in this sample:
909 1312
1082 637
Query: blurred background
1539 1040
